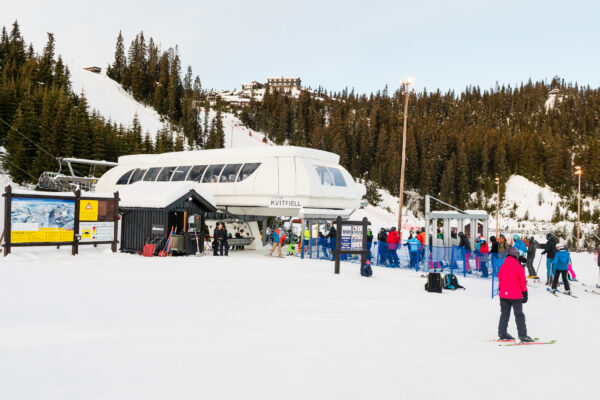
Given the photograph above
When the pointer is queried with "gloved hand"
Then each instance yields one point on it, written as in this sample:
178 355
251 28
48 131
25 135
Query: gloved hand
525 297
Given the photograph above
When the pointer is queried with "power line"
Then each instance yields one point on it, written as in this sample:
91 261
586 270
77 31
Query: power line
34 143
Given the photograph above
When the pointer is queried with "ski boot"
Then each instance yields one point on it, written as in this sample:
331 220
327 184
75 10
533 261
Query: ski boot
568 292
525 339
505 336
553 291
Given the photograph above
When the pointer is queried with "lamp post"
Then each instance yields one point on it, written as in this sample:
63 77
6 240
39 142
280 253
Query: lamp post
497 180
578 173
403 162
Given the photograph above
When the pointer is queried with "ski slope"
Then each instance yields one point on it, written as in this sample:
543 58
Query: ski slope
117 326
112 101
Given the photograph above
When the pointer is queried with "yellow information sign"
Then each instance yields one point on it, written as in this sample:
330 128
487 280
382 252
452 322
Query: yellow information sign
88 210
43 235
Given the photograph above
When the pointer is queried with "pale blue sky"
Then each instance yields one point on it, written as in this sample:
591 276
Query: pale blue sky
336 44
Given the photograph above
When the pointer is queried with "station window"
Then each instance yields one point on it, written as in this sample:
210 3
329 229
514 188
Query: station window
124 178
212 173
229 173
152 174
196 173
338 178
324 176
180 173
247 170
137 175
165 174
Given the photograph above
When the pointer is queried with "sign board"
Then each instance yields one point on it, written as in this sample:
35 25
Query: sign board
97 231
48 219
42 220
88 210
285 202
351 238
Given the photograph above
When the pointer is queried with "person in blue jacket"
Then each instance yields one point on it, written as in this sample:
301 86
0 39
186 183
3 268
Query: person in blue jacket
520 245
560 265
413 247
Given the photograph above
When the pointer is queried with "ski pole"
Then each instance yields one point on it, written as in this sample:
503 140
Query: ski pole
538 267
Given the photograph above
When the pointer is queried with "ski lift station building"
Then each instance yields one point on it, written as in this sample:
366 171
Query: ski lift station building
249 183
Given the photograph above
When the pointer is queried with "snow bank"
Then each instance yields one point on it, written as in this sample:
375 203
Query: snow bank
100 326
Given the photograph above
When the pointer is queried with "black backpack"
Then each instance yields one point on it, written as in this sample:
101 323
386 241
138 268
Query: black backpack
451 282
366 270
434 282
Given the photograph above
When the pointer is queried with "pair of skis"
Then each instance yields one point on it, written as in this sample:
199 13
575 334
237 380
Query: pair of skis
513 342
561 292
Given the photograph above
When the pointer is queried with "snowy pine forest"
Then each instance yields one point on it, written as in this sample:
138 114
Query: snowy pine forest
530 136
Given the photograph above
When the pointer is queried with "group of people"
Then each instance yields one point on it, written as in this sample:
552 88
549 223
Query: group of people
513 283
389 242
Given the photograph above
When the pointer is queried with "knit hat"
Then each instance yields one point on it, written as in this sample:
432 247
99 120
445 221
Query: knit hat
512 252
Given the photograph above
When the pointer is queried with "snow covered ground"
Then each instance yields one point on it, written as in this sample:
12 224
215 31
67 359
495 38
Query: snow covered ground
104 326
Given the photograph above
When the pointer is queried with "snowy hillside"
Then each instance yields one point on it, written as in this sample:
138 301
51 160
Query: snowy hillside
121 326
112 101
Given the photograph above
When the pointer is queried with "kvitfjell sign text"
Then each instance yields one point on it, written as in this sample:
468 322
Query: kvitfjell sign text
285 202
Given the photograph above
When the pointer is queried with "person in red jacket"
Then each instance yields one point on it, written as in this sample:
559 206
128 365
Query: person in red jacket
393 239
513 294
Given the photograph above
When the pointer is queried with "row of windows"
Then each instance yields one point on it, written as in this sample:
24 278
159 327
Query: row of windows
222 173
226 173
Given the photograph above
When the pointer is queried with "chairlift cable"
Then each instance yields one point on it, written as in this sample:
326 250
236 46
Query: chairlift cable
35 144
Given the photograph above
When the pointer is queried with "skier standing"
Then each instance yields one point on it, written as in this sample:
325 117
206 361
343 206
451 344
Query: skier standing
550 251
502 245
382 246
513 294
215 245
223 236
560 263
466 245
413 247
393 239
533 244
482 256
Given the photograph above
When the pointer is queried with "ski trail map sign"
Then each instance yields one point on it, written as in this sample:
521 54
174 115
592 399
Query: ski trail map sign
351 239
55 219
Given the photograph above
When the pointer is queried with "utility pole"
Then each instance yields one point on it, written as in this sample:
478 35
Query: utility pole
578 173
497 180
403 162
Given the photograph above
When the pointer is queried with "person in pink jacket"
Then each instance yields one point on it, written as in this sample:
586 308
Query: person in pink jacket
513 294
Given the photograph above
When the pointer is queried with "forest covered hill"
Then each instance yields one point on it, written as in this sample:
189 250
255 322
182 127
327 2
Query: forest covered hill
457 143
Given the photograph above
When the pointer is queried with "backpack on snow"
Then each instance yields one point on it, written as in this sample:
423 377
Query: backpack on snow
434 282
366 270
451 282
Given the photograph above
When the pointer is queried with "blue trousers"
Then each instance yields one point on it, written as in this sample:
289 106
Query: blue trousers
549 270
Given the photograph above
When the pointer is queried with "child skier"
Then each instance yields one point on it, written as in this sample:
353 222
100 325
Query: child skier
560 265
513 294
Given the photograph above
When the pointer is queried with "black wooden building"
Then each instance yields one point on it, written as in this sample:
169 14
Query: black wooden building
146 220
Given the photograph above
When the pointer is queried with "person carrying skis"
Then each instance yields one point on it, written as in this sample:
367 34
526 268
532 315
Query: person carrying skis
560 264
513 294
550 251
392 240
533 244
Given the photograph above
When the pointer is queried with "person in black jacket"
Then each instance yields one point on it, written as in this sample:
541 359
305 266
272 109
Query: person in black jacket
494 243
550 252
382 246
332 235
466 244
216 240
533 244
223 245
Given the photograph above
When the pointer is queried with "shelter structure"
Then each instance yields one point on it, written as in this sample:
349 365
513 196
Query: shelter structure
471 222
150 212
250 184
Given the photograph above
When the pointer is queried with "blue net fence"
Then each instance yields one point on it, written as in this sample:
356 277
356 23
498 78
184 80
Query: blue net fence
446 260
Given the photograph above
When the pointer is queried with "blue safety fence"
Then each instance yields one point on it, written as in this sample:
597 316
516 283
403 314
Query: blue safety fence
497 260
446 260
